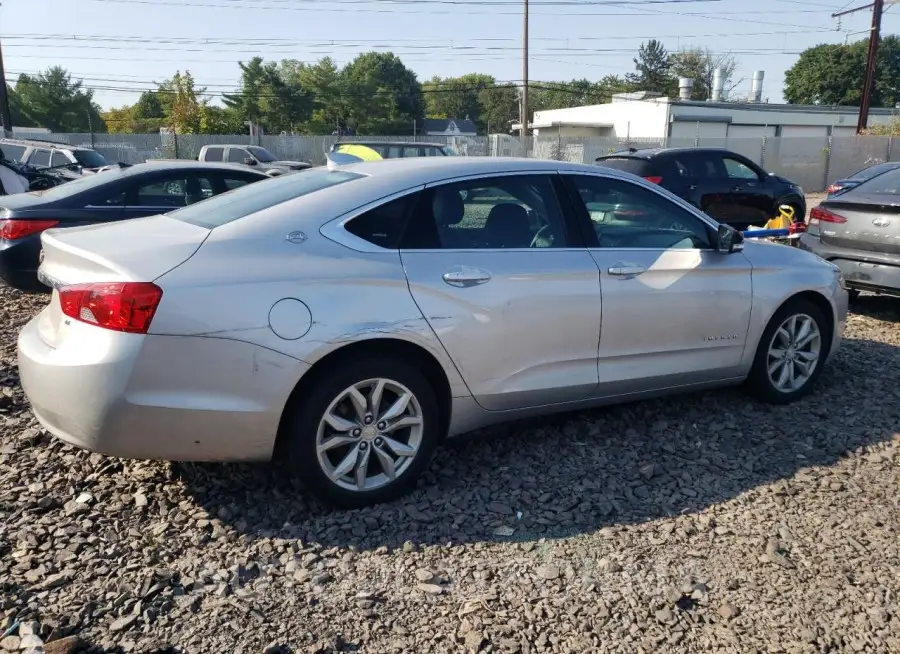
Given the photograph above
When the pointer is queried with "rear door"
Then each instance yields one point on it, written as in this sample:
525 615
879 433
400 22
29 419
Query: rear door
498 271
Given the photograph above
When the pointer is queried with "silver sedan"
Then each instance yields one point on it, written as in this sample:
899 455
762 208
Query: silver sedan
348 319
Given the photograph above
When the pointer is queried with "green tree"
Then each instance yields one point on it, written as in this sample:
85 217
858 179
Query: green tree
382 95
833 74
183 103
499 108
576 93
54 100
652 69
700 65
456 97
323 83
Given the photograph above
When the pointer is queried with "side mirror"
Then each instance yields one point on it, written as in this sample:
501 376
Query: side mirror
250 161
729 240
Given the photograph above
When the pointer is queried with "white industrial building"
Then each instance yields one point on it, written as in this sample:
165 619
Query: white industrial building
643 116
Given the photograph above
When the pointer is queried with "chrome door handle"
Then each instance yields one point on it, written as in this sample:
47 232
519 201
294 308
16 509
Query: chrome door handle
626 271
464 278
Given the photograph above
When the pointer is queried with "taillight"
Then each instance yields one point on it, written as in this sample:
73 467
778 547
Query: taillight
833 188
12 229
797 228
820 215
653 180
119 306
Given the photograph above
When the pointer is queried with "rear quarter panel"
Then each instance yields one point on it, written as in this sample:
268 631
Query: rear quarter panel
229 288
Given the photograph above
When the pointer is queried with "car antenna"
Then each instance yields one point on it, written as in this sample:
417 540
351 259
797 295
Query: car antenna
335 160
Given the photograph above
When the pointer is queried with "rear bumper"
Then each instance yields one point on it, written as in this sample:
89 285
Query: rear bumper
861 270
157 397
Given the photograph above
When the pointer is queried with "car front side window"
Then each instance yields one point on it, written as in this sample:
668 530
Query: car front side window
738 170
507 212
626 215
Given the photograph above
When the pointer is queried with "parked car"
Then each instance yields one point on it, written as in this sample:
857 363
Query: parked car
857 178
347 319
726 185
115 194
394 149
46 154
859 230
249 155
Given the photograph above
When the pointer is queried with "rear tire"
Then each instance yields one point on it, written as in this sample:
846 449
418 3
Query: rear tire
365 433
790 354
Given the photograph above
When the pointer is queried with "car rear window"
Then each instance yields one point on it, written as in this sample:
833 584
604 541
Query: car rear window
626 164
233 205
886 183
873 171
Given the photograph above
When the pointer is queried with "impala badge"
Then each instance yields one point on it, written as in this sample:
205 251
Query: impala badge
881 222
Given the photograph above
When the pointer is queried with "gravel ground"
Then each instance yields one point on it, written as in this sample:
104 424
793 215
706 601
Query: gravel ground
700 523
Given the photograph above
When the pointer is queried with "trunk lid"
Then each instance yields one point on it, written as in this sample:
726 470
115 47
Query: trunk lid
872 223
134 250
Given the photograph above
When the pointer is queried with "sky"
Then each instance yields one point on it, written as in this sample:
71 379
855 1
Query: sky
121 47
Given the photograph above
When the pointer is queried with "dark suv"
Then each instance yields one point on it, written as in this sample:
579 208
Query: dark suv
727 186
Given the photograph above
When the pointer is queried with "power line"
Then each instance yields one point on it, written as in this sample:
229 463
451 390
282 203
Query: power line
367 42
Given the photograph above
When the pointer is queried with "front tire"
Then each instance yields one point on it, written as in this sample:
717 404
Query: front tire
365 433
790 354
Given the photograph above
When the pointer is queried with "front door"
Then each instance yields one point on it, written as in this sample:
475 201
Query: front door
675 311
494 268
729 189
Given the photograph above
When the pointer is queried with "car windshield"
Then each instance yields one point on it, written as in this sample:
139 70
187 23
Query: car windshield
872 171
90 158
233 205
261 154
884 184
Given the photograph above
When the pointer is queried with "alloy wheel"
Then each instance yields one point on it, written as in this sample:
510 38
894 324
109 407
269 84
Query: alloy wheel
369 435
794 353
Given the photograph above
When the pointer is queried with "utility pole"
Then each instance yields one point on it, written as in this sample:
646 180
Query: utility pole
874 37
4 103
524 116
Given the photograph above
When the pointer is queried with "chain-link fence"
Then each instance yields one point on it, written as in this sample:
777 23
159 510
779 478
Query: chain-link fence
811 162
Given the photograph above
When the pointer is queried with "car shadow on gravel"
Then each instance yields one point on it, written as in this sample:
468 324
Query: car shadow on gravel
880 307
579 472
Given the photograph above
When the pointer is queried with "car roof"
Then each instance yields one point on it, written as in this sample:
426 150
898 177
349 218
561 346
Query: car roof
232 145
423 170
175 164
649 153
411 144
37 143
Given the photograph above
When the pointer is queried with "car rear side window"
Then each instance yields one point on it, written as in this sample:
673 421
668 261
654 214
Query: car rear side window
59 159
627 164
40 158
384 225
228 207
214 154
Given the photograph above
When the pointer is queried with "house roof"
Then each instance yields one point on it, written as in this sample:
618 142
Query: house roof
442 124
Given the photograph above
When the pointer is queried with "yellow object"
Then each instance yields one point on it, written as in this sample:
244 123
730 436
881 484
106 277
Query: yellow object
783 220
363 152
